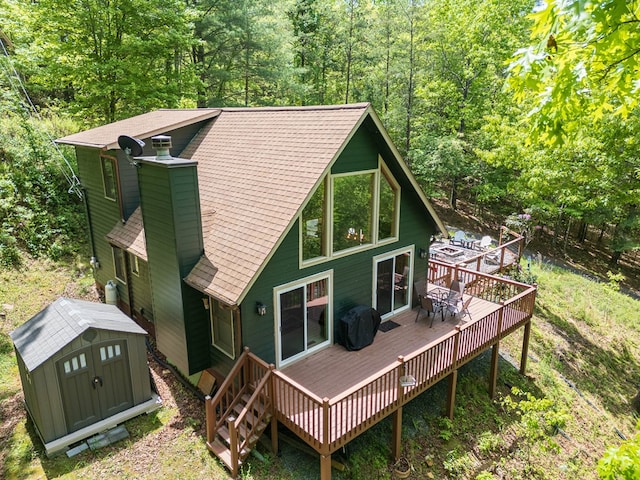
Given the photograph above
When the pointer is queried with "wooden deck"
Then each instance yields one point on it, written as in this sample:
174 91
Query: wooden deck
332 396
334 370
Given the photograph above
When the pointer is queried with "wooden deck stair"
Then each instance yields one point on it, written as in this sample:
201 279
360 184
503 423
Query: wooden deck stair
247 434
240 411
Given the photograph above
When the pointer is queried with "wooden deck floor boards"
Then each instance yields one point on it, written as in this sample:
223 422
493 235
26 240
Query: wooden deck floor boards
333 370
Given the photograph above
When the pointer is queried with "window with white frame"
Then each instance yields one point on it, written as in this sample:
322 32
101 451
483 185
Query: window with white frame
222 331
135 266
348 213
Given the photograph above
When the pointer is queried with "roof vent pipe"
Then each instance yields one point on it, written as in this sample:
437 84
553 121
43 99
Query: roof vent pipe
161 144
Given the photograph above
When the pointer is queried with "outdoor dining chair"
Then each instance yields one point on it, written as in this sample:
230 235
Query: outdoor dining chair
428 306
461 308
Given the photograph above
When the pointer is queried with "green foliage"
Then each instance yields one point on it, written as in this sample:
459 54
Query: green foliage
622 462
446 428
457 463
540 418
39 215
582 64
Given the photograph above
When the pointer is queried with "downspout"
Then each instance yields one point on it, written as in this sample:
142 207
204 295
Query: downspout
117 167
87 212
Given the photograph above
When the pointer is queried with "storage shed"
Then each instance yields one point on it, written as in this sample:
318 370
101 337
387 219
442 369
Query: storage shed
83 367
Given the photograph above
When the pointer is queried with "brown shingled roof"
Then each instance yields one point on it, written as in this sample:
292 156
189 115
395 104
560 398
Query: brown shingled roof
141 126
256 168
130 235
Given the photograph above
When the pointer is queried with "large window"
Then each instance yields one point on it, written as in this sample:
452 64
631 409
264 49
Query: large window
353 210
388 201
109 178
222 331
313 231
303 317
348 213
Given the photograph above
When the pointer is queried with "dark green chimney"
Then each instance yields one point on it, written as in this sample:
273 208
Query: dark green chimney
170 205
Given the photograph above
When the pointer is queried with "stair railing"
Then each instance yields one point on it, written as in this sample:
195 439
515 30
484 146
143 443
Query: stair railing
251 419
248 370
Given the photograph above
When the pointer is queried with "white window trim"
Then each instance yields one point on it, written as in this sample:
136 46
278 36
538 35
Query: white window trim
135 264
374 281
287 287
328 230
396 186
232 354
115 269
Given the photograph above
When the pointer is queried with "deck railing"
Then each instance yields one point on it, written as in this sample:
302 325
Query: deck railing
244 377
328 424
508 241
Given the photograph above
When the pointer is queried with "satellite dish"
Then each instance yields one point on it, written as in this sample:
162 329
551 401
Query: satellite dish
130 145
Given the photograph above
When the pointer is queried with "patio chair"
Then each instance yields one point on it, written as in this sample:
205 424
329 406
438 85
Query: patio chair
485 243
459 238
461 309
429 306
457 286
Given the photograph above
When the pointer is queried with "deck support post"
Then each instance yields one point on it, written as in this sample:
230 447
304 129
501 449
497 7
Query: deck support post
396 434
493 374
396 422
451 395
525 347
325 467
274 420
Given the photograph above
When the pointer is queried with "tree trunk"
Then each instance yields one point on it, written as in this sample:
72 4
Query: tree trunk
407 144
567 233
453 199
582 233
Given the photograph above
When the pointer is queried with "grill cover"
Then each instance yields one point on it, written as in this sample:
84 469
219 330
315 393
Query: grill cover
358 327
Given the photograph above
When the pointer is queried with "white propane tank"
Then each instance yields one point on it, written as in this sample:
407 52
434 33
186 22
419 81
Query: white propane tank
111 293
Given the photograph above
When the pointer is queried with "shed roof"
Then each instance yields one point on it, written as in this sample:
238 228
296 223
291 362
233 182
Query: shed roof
140 126
64 320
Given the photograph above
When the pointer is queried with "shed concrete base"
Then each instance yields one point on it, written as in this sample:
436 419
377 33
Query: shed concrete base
59 445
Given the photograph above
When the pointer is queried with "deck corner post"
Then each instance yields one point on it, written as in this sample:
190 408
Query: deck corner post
209 418
326 431
525 347
451 394
274 419
493 374
325 467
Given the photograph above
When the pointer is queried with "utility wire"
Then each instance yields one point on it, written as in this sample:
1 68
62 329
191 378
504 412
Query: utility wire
21 93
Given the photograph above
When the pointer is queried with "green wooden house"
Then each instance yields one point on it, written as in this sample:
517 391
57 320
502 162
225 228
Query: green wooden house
256 227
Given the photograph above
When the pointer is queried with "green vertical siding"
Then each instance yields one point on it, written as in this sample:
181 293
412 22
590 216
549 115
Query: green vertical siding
140 288
104 215
171 215
352 274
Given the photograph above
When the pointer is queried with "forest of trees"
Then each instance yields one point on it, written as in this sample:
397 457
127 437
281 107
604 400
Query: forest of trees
511 105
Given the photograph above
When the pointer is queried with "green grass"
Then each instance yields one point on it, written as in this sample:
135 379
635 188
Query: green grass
582 373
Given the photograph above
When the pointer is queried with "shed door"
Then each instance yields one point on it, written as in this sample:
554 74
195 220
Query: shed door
95 383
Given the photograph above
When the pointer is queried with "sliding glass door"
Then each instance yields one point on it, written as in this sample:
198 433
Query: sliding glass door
392 282
304 311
